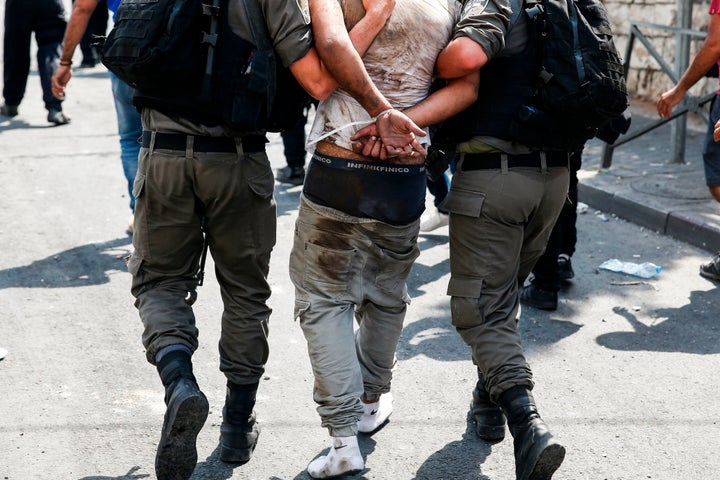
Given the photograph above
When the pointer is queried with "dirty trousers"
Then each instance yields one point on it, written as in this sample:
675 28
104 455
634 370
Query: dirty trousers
346 267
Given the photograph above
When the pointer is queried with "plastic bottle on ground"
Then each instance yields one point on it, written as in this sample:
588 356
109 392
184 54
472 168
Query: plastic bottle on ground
642 270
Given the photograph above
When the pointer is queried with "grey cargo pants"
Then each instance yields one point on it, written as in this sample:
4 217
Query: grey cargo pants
346 268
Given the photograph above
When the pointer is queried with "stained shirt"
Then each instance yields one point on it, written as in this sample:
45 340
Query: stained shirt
400 61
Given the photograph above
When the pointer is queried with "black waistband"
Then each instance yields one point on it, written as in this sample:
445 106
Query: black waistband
393 194
367 167
179 141
489 161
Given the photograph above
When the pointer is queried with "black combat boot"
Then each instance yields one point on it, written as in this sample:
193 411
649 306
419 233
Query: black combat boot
537 454
187 409
488 416
239 430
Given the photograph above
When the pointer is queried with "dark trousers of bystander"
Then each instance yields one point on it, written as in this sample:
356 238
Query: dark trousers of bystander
96 27
46 19
563 237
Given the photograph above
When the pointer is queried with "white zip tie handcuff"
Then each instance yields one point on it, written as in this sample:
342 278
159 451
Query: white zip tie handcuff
351 124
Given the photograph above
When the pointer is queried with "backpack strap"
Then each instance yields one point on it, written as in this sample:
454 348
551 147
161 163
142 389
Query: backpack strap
258 27
516 8
210 38
261 39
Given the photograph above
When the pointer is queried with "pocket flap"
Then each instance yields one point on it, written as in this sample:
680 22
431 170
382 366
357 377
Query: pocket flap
463 202
465 287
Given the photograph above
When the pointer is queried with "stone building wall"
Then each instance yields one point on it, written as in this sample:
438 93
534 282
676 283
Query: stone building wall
646 80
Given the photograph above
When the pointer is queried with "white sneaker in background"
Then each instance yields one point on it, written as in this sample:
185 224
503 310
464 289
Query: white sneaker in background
344 458
434 221
376 413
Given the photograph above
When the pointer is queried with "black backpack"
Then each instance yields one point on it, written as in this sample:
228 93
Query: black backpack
158 45
580 83
164 48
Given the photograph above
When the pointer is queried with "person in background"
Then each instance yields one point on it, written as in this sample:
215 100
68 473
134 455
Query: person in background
555 266
294 149
97 27
438 218
705 58
128 118
46 20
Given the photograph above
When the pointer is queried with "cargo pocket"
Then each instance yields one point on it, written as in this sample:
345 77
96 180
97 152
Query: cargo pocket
138 185
394 271
260 209
465 301
301 306
134 262
259 175
140 230
463 202
327 271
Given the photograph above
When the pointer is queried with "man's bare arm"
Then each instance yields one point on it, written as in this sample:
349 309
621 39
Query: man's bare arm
456 96
81 12
311 72
460 57
343 62
446 102
703 61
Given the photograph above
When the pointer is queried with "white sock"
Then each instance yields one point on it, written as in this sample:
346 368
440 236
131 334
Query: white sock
375 414
344 458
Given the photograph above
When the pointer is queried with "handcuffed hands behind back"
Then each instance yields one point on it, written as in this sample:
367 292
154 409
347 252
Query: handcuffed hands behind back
369 142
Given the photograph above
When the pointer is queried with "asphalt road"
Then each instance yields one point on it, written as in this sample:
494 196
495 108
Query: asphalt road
625 368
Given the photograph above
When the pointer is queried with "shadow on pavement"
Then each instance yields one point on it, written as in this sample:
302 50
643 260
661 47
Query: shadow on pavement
215 468
545 331
130 475
692 328
7 124
434 337
77 267
458 460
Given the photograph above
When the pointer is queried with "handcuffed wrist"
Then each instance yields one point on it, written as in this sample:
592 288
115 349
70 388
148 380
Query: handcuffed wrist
375 118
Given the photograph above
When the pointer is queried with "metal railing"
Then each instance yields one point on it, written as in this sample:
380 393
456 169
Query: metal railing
690 104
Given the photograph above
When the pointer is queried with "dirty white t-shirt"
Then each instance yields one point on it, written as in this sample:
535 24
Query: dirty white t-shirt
400 61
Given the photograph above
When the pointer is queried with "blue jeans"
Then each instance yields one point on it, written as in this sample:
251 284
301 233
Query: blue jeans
129 129
440 188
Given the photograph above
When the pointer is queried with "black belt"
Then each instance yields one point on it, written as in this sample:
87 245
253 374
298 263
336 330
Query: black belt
179 141
490 161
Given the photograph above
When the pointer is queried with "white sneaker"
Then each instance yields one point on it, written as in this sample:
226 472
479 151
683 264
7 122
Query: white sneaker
344 458
375 414
434 221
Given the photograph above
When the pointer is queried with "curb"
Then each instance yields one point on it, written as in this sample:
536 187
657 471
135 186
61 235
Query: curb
699 229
